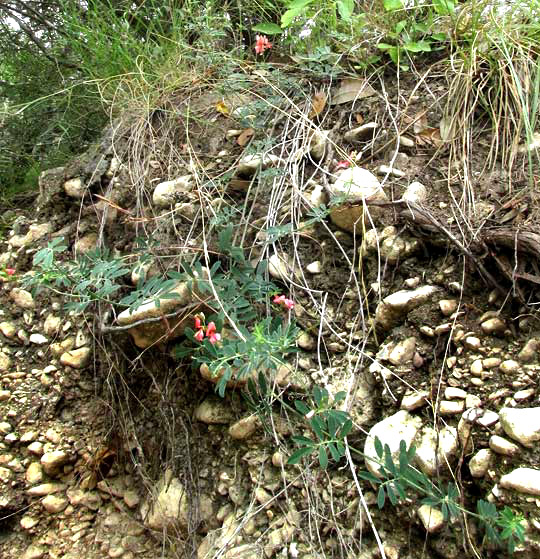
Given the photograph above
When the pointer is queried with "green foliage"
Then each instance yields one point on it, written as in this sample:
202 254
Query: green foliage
330 427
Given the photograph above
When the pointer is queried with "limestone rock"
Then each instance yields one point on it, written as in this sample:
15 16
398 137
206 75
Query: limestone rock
5 362
35 232
509 367
45 489
169 510
166 193
54 503
86 243
213 412
523 480
74 188
145 335
34 473
431 518
8 329
76 358
500 445
479 463
391 246
317 144
493 326
361 133
526 355
436 450
391 430
356 186
35 552
244 428
22 298
38 339
249 164
53 462
522 424
416 193
393 308
415 400
52 324
233 382
403 352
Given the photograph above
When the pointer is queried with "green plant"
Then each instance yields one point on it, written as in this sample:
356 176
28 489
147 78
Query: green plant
397 480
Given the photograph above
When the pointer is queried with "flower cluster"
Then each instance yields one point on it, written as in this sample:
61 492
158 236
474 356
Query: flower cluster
7 273
209 330
283 301
261 44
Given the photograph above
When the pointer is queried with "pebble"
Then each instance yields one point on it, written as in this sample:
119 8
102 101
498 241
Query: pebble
491 362
34 473
76 358
45 489
452 393
479 463
22 298
523 480
448 306
314 267
493 326
38 339
415 400
472 342
522 424
479 416
52 462
451 407
213 412
526 355
403 352
509 367
244 428
500 445
54 503
8 329
431 518
477 368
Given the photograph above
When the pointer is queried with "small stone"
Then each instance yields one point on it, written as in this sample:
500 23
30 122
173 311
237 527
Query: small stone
4 395
5 362
166 193
436 449
34 552
523 480
305 341
526 355
416 193
361 133
493 326
387 170
244 428
500 445
131 498
28 522
431 518
479 463
36 448
45 489
415 400
451 407
76 358
477 368
52 324
448 306
472 342
403 352
314 267
54 503
74 188
213 412
34 473
522 424
478 416
53 462
38 339
452 393
472 401
522 395
5 428
406 142
278 460
509 367
8 329
22 298
491 362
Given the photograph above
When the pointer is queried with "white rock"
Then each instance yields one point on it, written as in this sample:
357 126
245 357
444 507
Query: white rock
76 358
74 188
249 164
415 400
400 426
244 428
393 308
509 367
52 324
479 463
166 193
317 144
451 407
431 518
522 424
356 186
22 298
493 326
169 510
5 362
387 170
454 393
53 462
54 503
403 352
361 133
416 193
523 480
500 445
213 412
436 450
38 339
479 416
314 267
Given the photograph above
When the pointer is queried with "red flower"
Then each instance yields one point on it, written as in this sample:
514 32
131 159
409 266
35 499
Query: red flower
262 43
10 271
198 323
343 165
199 335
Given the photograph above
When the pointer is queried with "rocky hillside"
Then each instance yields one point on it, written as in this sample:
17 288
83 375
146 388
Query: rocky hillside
412 300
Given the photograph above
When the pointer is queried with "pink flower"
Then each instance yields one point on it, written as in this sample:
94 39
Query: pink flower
199 335
211 333
262 43
10 271
343 165
283 302
198 323
288 304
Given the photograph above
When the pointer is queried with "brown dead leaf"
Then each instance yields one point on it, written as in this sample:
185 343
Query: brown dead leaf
359 118
222 108
430 136
352 89
318 103
239 185
420 122
245 136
